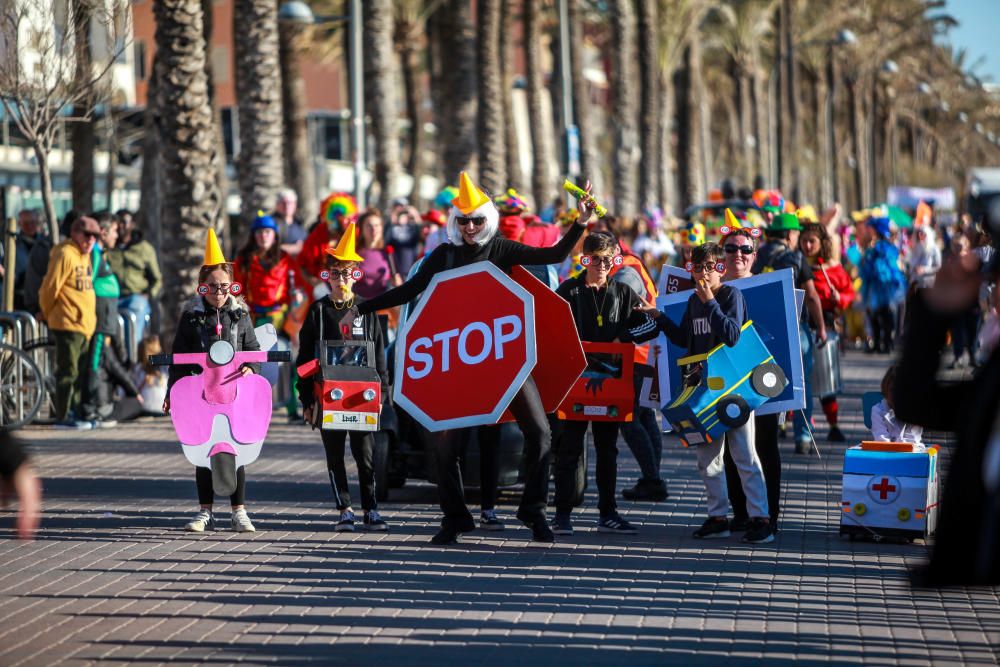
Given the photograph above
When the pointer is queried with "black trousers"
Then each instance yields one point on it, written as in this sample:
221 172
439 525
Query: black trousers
206 494
883 321
766 444
489 465
363 450
530 415
571 449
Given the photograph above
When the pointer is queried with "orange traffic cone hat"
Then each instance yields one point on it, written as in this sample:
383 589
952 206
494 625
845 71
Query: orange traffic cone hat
469 196
213 251
345 250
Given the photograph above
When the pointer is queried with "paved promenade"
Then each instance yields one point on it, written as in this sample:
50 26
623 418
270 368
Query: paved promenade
113 579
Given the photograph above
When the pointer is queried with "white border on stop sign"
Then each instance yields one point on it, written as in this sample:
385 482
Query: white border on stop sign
492 417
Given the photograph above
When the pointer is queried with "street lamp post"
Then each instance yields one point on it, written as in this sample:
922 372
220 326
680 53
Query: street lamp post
298 12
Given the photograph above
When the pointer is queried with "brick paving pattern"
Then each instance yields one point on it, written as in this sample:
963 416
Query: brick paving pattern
112 577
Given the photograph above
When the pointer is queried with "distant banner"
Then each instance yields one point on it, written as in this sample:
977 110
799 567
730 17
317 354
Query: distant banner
942 199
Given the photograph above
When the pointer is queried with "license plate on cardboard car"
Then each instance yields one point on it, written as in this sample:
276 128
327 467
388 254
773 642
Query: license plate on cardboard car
349 421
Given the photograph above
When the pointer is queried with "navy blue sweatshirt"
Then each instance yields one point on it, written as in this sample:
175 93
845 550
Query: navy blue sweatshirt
703 326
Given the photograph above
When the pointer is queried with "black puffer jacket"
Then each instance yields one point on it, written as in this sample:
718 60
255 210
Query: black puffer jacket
196 333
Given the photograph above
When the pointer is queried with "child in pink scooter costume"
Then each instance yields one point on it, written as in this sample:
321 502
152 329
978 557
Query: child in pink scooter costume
218 314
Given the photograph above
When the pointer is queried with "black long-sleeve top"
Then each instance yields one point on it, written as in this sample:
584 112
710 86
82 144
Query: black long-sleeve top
338 325
615 302
502 252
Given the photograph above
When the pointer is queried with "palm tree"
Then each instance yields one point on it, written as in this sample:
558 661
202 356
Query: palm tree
82 132
540 122
298 162
624 94
515 175
381 102
490 128
453 85
188 143
258 95
649 116
590 162
740 28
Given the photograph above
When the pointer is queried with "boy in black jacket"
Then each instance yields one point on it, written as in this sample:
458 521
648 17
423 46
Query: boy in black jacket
602 310
336 316
715 315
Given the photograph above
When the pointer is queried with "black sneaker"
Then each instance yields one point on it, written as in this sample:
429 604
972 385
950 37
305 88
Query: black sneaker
759 531
614 523
650 490
374 521
714 527
739 525
802 446
835 435
451 529
540 531
488 521
346 523
561 525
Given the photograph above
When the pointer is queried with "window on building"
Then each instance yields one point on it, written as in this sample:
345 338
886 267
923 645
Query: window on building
140 60
228 131
328 136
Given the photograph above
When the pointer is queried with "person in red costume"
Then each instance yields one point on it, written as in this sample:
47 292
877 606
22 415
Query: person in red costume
836 294
335 212
270 277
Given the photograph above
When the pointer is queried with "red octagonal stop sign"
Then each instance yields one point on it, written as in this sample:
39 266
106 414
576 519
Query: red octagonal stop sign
467 348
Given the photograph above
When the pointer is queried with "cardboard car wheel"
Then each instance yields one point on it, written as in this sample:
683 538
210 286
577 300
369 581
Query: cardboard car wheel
768 380
733 411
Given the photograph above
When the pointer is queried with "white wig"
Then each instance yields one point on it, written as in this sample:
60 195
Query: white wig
489 230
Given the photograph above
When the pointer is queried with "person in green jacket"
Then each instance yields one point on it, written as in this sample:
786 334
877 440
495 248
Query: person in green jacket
134 261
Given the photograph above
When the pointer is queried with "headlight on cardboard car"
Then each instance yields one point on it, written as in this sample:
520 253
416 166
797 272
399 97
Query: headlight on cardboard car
369 394
337 394
903 514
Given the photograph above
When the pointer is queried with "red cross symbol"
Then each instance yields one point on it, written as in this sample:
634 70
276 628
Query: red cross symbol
884 488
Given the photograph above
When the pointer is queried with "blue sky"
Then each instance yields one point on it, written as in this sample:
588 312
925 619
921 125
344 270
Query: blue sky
977 33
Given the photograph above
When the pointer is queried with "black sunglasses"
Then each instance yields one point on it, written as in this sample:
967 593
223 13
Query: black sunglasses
462 221
732 249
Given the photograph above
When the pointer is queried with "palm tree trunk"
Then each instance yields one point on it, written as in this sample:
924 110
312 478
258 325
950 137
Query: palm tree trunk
408 41
703 109
490 128
590 161
381 102
542 178
515 175
222 227
454 86
794 95
649 116
780 136
748 144
258 94
624 95
668 170
854 117
691 188
151 178
83 131
760 129
188 145
300 173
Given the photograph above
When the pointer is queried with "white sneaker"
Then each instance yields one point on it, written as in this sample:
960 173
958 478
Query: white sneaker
241 522
203 520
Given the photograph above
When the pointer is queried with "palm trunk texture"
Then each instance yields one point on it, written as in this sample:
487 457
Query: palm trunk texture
490 128
381 100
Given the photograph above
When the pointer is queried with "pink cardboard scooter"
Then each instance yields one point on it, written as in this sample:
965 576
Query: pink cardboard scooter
221 416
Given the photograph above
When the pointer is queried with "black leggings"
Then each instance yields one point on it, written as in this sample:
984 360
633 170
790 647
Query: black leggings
571 449
206 494
363 449
766 444
530 415
883 321
489 465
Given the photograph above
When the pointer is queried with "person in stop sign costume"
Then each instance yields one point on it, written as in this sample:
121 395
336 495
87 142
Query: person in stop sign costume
472 227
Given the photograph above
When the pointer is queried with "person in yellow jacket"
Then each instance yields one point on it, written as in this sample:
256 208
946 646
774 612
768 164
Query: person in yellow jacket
69 306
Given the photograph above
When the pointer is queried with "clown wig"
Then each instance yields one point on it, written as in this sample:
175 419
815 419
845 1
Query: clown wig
489 230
